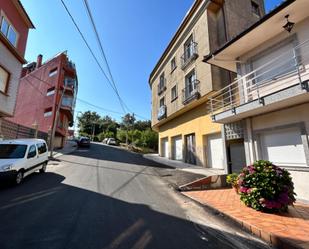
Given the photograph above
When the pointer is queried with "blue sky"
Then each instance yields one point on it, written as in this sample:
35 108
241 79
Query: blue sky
134 34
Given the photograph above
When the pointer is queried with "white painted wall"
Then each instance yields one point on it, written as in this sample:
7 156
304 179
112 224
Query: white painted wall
7 60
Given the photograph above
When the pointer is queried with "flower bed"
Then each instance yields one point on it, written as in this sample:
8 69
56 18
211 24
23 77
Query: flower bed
266 187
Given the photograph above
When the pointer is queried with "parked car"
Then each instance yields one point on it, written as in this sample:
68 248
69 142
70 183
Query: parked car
84 142
112 141
105 140
21 157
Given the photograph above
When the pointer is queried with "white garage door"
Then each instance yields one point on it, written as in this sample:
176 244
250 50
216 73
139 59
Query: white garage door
164 147
215 151
177 155
283 147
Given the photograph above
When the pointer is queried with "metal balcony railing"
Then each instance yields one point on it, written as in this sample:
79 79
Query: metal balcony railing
190 54
288 69
67 102
71 65
191 92
162 112
161 86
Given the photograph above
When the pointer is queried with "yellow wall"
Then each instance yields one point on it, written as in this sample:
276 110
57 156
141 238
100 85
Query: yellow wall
197 121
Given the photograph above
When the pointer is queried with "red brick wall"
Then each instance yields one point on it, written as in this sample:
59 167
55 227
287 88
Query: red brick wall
32 100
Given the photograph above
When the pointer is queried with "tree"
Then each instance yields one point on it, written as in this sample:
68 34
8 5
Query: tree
89 122
142 125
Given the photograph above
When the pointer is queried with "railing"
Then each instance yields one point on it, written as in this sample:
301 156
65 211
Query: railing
191 92
67 102
190 54
70 83
288 69
161 86
162 112
71 65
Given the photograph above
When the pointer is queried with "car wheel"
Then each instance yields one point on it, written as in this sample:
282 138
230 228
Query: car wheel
43 169
19 177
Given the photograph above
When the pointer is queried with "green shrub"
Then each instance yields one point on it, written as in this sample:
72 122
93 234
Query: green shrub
232 179
266 187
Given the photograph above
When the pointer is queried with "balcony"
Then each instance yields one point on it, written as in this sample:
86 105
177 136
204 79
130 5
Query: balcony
190 54
69 84
162 86
279 83
70 68
191 92
67 106
162 112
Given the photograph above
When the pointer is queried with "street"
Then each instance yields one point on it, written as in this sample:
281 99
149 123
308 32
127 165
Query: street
105 197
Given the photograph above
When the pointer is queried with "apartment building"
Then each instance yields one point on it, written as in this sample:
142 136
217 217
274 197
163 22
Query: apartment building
265 112
14 28
181 83
45 88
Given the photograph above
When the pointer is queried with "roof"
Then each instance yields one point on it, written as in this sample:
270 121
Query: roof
183 24
24 14
251 37
26 141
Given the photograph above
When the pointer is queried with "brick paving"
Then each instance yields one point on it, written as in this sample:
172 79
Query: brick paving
289 230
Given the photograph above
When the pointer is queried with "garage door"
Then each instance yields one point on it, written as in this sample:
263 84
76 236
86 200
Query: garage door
177 147
164 147
283 147
215 151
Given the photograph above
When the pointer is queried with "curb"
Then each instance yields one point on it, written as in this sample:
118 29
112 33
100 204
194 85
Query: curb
270 238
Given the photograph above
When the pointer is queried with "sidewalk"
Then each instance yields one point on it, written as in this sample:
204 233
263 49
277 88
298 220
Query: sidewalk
184 166
290 230
68 148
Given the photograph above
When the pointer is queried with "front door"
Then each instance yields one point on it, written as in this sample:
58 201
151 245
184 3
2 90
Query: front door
178 148
237 156
190 149
215 151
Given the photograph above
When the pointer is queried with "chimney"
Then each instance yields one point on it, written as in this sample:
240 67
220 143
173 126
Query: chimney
39 61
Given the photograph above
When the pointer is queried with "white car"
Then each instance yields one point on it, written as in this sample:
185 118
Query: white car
111 141
21 157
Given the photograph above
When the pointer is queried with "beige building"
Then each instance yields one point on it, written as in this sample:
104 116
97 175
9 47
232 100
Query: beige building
268 105
181 83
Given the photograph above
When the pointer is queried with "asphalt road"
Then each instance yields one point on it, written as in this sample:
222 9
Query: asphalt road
104 197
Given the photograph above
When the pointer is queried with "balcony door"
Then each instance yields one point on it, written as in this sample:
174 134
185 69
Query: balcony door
190 86
188 48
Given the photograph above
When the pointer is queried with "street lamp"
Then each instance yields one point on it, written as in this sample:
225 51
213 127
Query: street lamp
289 25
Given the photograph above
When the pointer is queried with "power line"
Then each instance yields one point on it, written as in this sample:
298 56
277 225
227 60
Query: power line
78 99
99 41
93 55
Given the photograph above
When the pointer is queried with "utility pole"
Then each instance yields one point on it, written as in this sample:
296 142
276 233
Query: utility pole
93 131
55 123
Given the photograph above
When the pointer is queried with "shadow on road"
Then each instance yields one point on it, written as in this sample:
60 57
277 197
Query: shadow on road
44 212
114 154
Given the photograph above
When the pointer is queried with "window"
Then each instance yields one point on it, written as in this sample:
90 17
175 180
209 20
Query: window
162 102
162 81
4 80
53 72
48 112
174 93
255 8
188 48
32 151
8 31
284 64
41 148
10 151
173 64
50 91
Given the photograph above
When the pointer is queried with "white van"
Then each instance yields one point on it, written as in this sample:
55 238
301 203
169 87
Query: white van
21 157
